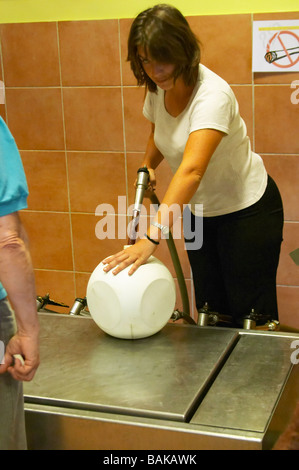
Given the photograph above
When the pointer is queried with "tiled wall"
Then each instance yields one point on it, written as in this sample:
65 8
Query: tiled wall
75 111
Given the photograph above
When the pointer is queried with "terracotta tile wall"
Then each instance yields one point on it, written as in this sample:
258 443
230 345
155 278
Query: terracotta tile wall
75 111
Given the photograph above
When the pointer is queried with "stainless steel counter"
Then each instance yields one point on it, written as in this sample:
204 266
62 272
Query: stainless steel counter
184 388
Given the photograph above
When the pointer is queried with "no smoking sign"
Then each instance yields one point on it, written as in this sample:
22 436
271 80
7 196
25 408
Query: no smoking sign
275 46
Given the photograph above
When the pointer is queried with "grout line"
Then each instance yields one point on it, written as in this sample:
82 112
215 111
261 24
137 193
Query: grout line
288 285
128 152
252 97
61 86
123 114
37 87
280 154
66 162
41 211
116 152
78 87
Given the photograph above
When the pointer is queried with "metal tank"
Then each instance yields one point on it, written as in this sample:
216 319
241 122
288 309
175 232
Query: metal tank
186 387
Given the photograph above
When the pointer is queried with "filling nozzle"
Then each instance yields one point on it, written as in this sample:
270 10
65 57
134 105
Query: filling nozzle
141 186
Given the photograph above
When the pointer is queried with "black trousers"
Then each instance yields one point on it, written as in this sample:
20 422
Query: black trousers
235 269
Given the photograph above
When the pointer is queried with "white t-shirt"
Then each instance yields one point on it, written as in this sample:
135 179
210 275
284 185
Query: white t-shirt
235 177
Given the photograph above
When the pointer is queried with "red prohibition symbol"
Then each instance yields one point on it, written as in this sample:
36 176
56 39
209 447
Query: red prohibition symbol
281 37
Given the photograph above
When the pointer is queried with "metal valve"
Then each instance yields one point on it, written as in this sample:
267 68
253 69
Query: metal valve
79 305
259 321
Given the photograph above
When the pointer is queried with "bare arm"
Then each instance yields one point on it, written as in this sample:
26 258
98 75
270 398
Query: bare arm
198 151
17 277
152 158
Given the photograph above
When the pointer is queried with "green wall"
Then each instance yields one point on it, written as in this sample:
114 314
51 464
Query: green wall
23 11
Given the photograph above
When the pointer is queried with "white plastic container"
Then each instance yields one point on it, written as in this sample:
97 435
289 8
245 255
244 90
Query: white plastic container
135 306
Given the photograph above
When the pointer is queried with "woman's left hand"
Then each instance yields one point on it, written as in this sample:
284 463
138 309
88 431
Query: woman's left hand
136 255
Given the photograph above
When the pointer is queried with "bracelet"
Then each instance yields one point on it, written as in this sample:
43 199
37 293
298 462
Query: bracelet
151 240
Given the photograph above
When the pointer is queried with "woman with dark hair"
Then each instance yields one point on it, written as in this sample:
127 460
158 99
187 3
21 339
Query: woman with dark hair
197 128
165 35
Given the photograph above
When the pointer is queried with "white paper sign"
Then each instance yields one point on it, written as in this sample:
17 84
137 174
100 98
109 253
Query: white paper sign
275 46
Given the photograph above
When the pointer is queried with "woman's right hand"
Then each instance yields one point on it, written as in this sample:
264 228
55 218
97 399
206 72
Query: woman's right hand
134 255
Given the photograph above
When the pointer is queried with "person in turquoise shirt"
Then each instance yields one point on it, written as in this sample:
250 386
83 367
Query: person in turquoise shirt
19 329
13 184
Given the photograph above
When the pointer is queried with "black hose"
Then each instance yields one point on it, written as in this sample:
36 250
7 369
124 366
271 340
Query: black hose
176 264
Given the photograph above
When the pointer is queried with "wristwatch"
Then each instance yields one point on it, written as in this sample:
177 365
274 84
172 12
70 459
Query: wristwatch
164 229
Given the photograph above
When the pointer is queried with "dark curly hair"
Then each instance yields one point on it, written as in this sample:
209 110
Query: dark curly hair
166 37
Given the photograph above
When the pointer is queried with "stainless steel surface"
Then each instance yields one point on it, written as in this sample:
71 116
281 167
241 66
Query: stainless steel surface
248 387
184 388
160 376
59 428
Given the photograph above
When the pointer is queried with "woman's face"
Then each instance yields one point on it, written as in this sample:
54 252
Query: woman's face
161 74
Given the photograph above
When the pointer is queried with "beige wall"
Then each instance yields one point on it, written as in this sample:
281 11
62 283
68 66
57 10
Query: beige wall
75 111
